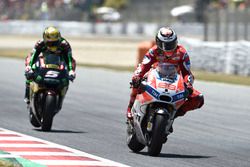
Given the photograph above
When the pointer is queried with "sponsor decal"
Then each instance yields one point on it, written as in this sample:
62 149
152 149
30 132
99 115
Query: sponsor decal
178 97
152 92
160 58
146 60
187 65
176 58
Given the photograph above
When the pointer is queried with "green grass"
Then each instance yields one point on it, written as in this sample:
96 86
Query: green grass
199 75
14 53
6 163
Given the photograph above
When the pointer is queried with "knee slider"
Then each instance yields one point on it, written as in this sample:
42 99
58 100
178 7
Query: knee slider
201 100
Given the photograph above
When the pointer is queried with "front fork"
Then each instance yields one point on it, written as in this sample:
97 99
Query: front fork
151 117
150 121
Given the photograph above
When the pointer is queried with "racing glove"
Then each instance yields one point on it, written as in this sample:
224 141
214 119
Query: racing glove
136 81
29 73
72 75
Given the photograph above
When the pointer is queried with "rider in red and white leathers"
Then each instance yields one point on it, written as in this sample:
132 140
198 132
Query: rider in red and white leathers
167 50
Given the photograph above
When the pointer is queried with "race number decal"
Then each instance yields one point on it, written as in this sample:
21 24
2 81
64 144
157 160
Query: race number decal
52 74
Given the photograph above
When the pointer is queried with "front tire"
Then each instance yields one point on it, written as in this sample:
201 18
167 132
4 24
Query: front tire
48 112
158 134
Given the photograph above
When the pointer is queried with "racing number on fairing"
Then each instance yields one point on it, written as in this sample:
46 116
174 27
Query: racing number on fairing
138 117
52 74
167 86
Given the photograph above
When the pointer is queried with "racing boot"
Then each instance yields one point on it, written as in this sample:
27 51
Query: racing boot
26 96
129 114
179 113
171 130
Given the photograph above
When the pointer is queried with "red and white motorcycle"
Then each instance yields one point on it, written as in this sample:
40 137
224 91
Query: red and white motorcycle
163 92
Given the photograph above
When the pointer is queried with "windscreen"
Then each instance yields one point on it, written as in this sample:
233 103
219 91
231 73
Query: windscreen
167 70
52 61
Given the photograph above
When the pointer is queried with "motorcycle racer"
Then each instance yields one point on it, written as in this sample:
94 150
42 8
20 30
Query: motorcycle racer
52 42
167 50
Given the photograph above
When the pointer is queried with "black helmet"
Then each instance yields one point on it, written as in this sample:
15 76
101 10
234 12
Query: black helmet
166 39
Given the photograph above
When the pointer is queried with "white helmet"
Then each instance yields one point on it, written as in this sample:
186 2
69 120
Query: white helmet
166 39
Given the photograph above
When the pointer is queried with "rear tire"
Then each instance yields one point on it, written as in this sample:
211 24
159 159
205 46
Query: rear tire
48 112
158 135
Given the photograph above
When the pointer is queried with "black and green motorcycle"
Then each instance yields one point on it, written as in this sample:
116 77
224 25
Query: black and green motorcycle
50 81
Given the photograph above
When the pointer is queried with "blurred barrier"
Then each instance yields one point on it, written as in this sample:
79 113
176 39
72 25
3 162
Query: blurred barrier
74 28
225 57
229 58
142 49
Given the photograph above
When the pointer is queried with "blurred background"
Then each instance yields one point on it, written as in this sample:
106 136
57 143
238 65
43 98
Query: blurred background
220 20
106 37
215 32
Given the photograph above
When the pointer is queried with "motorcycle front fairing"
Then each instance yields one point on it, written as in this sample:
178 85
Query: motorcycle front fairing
50 77
51 72
164 90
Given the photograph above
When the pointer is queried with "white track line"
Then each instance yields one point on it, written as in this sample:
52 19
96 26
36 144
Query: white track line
14 145
9 156
104 162
43 153
72 162
17 138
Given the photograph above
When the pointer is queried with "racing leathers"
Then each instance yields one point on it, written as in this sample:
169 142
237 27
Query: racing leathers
178 57
63 49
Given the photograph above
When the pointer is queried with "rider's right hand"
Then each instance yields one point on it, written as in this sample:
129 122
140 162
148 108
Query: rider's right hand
29 73
136 81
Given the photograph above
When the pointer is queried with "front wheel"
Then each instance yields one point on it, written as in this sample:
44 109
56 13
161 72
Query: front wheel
48 112
158 134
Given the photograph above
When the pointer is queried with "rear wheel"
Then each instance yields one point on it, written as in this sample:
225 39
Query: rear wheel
158 135
132 141
48 112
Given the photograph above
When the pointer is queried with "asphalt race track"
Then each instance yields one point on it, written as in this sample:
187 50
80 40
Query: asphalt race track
93 120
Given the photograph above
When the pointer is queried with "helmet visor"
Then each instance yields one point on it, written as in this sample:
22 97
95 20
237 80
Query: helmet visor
52 43
168 46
